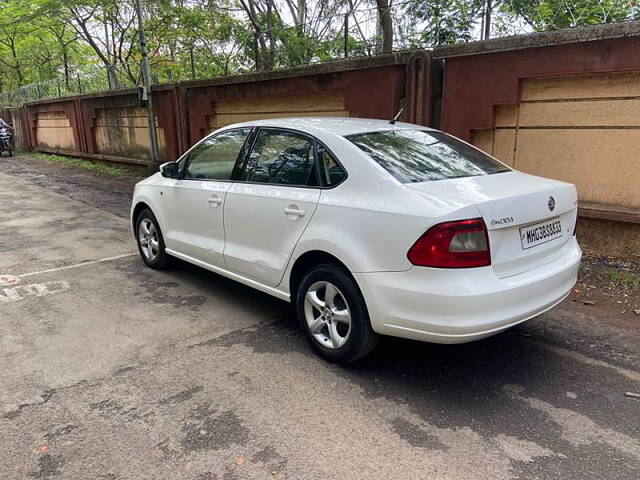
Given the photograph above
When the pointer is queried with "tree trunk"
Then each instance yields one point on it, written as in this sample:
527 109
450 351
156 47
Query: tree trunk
193 64
272 43
256 50
487 20
261 51
385 22
17 67
172 59
65 61
82 29
111 77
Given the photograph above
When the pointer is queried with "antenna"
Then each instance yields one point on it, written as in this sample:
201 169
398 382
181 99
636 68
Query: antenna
394 119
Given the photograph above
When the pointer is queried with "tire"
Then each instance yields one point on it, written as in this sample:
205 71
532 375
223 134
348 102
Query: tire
153 253
324 322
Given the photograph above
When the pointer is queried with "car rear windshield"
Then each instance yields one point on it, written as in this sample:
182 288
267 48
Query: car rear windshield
422 156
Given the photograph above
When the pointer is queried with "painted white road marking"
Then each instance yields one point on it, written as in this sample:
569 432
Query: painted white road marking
14 294
92 262
8 295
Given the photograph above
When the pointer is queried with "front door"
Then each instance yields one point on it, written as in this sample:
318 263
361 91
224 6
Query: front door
266 211
194 204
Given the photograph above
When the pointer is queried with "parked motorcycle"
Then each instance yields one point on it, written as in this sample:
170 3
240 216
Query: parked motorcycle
6 143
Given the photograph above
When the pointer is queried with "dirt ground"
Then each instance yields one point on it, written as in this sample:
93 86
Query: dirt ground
611 285
109 192
109 370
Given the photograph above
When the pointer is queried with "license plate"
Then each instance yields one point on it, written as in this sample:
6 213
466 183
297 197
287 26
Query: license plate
540 233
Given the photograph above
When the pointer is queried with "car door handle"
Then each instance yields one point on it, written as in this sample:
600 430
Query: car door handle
294 210
215 200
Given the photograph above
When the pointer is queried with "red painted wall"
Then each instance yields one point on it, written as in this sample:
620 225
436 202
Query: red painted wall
182 110
371 93
474 84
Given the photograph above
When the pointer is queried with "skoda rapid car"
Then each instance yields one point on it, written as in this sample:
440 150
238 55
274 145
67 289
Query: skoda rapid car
370 228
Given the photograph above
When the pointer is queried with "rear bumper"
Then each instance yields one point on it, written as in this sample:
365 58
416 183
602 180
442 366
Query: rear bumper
458 306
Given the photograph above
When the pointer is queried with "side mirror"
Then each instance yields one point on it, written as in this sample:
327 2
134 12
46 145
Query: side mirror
170 170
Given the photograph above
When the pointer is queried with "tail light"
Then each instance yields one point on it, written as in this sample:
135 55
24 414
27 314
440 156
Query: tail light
460 244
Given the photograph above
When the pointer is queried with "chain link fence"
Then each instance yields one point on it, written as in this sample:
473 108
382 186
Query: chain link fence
73 84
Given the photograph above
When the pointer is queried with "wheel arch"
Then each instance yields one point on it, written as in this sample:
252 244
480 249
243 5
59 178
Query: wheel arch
141 205
308 260
361 343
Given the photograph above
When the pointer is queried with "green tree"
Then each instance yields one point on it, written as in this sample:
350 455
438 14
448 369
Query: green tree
542 15
60 42
443 21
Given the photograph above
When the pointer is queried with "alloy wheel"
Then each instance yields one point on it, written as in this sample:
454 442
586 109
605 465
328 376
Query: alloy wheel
327 315
148 238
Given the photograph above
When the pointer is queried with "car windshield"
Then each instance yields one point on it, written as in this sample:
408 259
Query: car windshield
421 156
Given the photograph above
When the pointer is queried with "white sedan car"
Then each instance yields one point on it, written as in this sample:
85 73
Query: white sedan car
369 227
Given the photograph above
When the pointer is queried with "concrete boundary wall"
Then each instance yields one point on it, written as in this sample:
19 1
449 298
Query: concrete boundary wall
560 104
111 125
478 91
568 121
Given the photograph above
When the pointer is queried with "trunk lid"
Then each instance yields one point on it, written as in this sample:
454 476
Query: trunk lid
530 219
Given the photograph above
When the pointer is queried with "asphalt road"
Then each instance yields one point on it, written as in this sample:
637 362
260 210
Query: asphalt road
109 370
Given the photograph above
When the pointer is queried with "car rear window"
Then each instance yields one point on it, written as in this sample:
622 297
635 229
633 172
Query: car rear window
422 156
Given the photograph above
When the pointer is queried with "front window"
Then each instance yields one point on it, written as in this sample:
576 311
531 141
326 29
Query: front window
421 156
215 158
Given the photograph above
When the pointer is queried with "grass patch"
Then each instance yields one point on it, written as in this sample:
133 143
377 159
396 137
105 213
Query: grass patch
623 277
83 164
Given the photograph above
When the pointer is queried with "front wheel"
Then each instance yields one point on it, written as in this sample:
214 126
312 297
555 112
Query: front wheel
333 315
150 241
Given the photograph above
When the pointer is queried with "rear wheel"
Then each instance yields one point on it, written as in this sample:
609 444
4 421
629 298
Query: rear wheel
150 241
333 315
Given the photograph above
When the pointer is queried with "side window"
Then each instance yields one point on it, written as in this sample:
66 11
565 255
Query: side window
281 157
215 158
331 171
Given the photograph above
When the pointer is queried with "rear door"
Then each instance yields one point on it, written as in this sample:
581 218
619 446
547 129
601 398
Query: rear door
266 211
194 204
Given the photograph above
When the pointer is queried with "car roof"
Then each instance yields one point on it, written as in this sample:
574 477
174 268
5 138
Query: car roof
341 126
